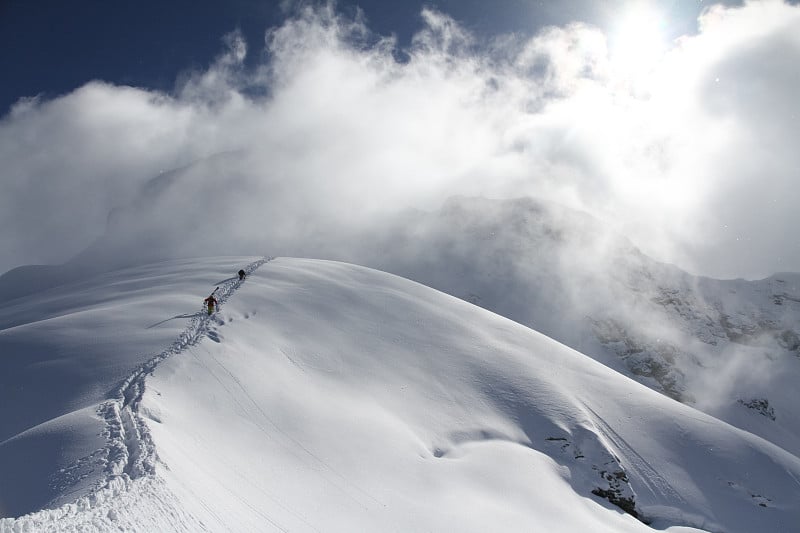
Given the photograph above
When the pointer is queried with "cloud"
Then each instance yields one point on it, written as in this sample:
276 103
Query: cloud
330 130
66 162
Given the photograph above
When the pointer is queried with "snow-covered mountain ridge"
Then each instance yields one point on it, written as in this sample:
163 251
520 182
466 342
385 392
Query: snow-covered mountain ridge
728 347
329 397
72 357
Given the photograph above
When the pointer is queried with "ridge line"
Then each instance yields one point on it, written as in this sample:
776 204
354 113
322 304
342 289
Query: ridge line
131 450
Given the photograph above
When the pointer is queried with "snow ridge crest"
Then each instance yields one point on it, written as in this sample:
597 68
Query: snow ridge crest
130 452
131 449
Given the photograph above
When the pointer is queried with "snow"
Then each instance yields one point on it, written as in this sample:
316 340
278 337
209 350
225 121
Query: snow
730 348
69 349
325 396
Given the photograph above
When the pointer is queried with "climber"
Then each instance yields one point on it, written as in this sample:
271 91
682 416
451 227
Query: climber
211 302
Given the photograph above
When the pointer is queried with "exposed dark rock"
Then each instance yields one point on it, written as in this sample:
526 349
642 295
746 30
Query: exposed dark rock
615 492
761 405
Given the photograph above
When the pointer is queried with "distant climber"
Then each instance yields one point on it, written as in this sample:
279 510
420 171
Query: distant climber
211 302
241 275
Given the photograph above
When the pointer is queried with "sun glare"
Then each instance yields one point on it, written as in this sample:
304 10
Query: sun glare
637 43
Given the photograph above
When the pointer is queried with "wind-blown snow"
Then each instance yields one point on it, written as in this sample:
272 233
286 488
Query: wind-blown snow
330 397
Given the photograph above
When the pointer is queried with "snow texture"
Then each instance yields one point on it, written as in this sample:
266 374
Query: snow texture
324 396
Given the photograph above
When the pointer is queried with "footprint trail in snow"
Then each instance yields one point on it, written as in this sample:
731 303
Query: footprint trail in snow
130 450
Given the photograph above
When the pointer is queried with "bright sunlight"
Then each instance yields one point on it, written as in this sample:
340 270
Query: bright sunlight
637 43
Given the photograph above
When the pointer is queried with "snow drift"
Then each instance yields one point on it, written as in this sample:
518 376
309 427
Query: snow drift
330 397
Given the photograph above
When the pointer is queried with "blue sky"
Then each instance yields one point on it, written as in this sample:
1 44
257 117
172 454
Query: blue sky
51 47
674 122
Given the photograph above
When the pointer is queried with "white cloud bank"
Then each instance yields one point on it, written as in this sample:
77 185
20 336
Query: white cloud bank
691 151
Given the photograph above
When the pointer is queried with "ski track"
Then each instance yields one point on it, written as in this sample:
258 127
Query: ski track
138 455
268 494
130 451
634 463
291 445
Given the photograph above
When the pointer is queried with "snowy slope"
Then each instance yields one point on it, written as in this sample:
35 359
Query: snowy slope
731 348
330 397
68 350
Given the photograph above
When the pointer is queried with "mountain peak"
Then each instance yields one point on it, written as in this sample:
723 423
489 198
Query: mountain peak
324 395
